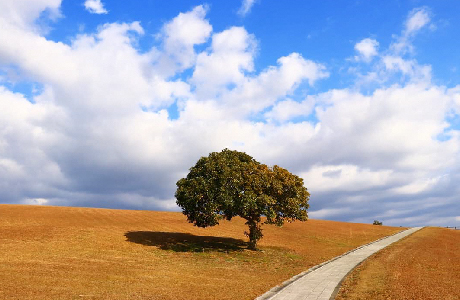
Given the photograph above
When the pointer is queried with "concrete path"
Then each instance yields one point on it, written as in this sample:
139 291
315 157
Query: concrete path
320 282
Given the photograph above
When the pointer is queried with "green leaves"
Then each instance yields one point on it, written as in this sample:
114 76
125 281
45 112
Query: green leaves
231 183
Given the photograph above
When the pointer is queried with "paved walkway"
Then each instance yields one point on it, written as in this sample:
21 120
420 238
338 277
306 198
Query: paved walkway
321 282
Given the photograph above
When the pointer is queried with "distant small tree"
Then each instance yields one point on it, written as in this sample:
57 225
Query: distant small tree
376 222
231 183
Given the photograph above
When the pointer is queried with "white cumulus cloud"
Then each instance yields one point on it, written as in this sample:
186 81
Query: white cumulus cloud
23 13
179 36
367 49
95 7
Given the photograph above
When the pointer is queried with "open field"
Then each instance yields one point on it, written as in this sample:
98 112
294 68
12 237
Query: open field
425 265
82 253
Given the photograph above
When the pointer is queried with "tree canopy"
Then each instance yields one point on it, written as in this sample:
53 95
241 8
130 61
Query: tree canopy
231 183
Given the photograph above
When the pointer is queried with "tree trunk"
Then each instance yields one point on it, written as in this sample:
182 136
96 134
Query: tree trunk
255 234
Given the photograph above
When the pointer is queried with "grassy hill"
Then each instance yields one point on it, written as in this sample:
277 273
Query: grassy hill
84 253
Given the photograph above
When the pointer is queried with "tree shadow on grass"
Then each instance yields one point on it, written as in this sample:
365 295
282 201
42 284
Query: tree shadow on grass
185 242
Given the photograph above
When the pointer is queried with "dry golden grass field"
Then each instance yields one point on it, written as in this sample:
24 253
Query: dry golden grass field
424 265
82 253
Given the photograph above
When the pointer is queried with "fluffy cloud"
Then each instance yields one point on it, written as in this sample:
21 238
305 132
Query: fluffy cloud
179 38
395 63
25 12
257 93
231 55
367 49
289 109
112 126
95 7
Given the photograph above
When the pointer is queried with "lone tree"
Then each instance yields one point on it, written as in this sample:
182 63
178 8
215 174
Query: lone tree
231 183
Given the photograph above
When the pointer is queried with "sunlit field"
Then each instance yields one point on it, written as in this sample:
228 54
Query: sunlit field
425 265
82 253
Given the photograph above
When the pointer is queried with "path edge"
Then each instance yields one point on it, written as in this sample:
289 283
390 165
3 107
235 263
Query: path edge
273 291
337 288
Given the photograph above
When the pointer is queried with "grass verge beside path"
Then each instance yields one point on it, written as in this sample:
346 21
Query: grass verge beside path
425 265
83 253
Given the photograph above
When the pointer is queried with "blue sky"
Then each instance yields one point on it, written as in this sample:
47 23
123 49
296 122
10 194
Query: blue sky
108 103
323 31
